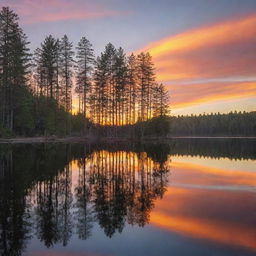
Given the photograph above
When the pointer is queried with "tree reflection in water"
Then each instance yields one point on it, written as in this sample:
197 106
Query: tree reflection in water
42 196
120 186
14 213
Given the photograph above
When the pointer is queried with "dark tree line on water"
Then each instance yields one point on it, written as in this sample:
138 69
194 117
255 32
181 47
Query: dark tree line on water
36 89
235 148
231 124
112 89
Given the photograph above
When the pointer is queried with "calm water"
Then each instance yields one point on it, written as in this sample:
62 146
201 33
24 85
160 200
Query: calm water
187 197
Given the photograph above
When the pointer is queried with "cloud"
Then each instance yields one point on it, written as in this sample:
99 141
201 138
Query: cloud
228 60
210 36
40 11
223 51
183 95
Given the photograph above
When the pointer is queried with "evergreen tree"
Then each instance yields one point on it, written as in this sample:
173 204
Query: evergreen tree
104 88
115 90
110 115
48 60
146 81
160 101
85 61
66 71
120 75
100 90
14 59
132 89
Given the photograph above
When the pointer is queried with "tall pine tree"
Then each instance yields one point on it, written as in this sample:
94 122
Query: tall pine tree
14 59
85 61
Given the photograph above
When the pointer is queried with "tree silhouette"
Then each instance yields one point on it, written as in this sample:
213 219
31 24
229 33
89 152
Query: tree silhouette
85 61
13 66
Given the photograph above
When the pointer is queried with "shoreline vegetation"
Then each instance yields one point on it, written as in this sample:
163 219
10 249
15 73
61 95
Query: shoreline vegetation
233 148
231 125
85 140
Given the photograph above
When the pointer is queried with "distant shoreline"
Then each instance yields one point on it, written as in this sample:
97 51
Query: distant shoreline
212 137
53 139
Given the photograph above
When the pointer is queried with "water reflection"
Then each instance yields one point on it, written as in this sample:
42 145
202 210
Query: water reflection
14 214
41 192
211 201
51 203
54 197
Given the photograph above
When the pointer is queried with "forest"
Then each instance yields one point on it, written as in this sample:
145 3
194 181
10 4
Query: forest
63 90
231 124
37 90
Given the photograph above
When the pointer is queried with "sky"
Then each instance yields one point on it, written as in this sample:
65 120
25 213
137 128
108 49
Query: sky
204 50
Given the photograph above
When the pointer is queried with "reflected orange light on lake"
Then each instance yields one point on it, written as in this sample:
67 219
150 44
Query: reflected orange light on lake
204 202
207 229
191 173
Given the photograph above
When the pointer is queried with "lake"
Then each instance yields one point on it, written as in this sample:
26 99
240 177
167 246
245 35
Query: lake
182 197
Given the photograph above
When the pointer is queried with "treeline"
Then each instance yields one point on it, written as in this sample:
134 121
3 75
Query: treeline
231 124
112 89
235 148
21 110
37 90
154 127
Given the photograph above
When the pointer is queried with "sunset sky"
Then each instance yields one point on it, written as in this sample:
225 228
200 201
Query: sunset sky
204 50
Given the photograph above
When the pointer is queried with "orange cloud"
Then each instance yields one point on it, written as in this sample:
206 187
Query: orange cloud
235 60
218 34
183 95
224 51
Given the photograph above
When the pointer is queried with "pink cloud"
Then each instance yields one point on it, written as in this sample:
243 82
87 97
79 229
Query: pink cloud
39 11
